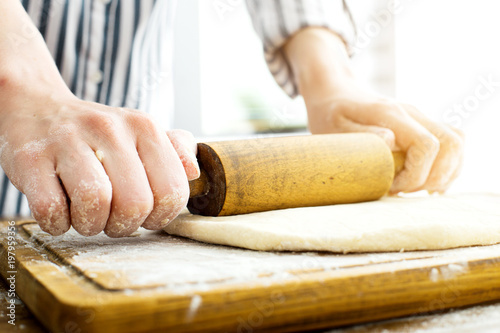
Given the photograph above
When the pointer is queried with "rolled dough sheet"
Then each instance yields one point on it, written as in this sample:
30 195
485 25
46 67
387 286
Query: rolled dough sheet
390 224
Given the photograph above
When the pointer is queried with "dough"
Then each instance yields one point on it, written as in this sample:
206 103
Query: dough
389 224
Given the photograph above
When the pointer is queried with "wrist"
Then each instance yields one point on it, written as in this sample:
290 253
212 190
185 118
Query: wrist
28 74
26 86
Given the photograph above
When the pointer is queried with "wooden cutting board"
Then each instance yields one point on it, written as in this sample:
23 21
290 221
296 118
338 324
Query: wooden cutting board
153 281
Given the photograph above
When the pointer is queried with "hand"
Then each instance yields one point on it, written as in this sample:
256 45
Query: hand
94 167
82 164
337 103
434 152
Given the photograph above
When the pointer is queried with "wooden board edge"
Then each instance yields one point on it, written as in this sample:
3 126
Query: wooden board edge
309 301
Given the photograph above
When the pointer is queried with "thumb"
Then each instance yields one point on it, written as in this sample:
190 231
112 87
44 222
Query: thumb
185 146
345 125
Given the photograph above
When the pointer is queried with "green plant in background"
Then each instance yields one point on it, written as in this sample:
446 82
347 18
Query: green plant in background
266 118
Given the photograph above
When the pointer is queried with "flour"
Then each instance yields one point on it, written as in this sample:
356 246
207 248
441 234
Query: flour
33 148
449 271
453 270
87 197
157 261
3 144
434 275
196 301
482 319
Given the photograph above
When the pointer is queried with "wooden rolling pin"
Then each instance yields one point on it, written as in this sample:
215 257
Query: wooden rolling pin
256 175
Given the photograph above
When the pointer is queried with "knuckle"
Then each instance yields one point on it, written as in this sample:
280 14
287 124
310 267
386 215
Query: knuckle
25 157
180 136
98 119
30 153
104 124
419 161
143 123
180 133
108 128
385 107
430 144
335 118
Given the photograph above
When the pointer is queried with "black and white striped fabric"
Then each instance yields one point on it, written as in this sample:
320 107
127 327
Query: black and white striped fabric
119 52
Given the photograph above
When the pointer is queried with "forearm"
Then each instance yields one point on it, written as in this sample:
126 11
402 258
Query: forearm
321 68
319 62
24 58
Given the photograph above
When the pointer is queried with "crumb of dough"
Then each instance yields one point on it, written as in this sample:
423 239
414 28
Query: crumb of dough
100 155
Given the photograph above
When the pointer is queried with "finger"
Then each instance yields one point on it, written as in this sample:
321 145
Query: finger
167 176
185 146
420 157
132 199
455 175
345 125
46 198
458 170
448 160
88 188
420 145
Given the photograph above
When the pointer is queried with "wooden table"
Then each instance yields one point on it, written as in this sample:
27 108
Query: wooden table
155 281
483 318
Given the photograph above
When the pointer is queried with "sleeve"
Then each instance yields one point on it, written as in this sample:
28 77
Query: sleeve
276 20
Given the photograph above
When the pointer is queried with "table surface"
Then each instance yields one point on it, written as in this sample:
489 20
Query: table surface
482 318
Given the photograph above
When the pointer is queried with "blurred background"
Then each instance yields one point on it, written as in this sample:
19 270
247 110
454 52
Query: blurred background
442 56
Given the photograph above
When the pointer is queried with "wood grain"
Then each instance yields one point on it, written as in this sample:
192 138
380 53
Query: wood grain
63 299
257 175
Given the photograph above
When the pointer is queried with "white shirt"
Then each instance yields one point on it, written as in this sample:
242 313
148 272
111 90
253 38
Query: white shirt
119 52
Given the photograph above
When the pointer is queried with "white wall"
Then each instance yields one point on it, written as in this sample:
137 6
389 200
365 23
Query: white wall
236 84
438 51
445 50
187 88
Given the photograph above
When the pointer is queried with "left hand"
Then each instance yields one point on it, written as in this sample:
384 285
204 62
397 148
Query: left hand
434 151
337 103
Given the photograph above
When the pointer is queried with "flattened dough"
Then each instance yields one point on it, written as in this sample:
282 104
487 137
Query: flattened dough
389 224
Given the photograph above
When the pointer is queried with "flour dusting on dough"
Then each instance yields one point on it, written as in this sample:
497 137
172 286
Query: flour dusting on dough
390 224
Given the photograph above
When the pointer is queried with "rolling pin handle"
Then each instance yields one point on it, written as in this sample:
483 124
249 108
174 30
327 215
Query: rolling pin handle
399 161
199 186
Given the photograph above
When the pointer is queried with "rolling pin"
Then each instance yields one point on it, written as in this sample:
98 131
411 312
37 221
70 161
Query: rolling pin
246 176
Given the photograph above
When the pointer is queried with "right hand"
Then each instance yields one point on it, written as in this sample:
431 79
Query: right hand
48 145
49 140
